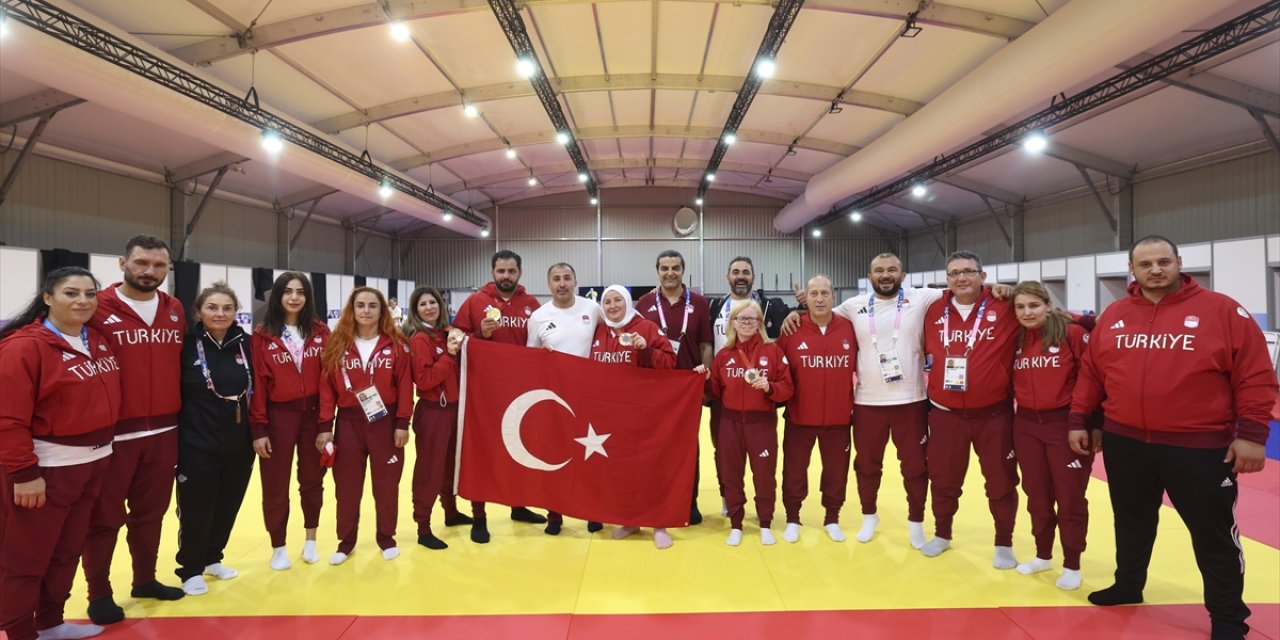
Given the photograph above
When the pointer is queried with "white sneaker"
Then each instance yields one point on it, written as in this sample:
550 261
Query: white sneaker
309 553
280 559
792 532
766 537
338 558
1034 566
220 571
935 547
391 553
834 532
195 586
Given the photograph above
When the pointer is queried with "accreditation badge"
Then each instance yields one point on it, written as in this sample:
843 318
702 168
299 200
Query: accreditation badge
955 374
675 345
890 367
371 402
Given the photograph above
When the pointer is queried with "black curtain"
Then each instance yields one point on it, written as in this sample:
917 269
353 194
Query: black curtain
360 281
51 259
186 285
393 289
263 278
321 293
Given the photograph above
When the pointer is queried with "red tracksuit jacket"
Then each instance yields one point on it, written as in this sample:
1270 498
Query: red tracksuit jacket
276 376
1044 379
735 394
1191 371
512 327
392 375
657 353
991 361
435 370
822 367
150 359
54 393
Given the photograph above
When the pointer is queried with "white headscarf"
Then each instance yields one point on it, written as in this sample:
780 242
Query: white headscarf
626 299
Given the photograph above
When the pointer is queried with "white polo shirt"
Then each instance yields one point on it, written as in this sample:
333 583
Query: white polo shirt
872 389
565 330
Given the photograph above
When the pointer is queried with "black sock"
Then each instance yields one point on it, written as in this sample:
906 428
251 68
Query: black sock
431 542
158 591
456 519
523 514
594 526
105 611
1228 630
553 528
695 516
1114 595
479 531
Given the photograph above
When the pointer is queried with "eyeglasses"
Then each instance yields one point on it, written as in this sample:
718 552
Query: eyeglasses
967 273
747 320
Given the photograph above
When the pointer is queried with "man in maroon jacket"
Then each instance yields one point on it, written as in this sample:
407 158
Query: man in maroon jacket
145 328
1186 387
499 311
971 337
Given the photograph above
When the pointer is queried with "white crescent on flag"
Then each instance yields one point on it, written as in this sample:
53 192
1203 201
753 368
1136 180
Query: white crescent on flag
514 415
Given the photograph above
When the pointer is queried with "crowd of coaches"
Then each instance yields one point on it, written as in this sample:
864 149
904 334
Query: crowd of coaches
111 395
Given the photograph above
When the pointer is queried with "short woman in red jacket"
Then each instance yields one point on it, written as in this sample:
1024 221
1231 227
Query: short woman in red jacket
435 418
1053 476
61 389
627 339
749 377
285 409
368 384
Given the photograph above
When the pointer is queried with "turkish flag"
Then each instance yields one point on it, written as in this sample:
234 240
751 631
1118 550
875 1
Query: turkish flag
594 441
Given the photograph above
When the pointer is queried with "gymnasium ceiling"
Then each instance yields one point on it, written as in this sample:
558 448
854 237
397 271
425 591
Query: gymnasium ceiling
646 86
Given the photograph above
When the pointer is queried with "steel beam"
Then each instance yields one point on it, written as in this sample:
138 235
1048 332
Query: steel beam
1097 195
1266 130
304 196
619 163
24 155
293 242
1218 87
983 190
204 202
202 166
35 105
1082 158
921 210
1008 239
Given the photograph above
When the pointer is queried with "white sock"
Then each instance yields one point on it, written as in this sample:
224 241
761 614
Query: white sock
792 532
1034 566
220 571
868 530
195 586
338 558
766 537
69 631
935 547
1004 558
280 559
309 553
834 532
391 553
1070 580
915 532
735 538
724 507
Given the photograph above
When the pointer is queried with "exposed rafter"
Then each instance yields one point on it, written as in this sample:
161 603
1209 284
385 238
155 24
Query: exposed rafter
35 105
202 166
1219 88
615 164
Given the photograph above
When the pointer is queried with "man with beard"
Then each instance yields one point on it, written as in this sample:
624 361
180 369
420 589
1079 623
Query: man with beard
683 317
567 325
499 311
145 327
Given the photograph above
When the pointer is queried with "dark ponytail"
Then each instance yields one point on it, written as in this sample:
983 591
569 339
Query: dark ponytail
38 309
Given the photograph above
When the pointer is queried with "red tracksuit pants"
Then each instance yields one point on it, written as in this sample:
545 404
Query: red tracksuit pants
287 430
141 473
797 448
1054 479
908 424
39 548
748 436
359 442
990 434
435 435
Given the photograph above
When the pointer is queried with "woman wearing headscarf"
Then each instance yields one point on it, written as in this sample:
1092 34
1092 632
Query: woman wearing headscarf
627 339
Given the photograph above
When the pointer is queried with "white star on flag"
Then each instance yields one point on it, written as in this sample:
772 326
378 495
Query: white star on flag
593 442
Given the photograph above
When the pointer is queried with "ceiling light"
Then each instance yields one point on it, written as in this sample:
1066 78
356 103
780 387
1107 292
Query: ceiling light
400 31
1035 143
711 177
448 216
765 68
562 137
533 182
698 202
471 111
729 139
595 201
582 177
385 189
511 153
525 67
817 233
919 191
855 216
484 233
271 141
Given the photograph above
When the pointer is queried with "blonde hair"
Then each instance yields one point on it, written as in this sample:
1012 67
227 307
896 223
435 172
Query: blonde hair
731 332
1054 331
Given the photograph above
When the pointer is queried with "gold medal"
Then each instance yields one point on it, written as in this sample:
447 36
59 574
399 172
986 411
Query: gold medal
625 339
492 313
456 336
751 375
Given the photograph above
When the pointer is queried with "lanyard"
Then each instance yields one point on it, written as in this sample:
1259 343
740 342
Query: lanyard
84 336
365 367
662 301
728 306
294 347
208 376
897 320
973 333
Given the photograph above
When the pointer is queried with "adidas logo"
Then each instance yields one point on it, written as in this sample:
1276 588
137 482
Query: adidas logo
112 319
273 347
551 325
1075 464
731 361
764 454
1118 325
1010 456
67 356
924 439
803 347
394 459
1226 482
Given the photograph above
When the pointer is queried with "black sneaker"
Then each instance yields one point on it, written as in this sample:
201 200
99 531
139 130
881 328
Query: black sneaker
593 527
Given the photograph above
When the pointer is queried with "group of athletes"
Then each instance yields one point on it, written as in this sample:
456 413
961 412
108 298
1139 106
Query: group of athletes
111 396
